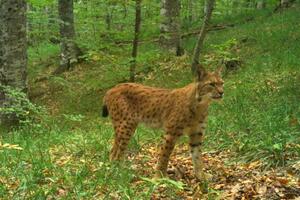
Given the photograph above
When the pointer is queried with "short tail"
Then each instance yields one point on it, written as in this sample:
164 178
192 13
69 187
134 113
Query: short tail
104 111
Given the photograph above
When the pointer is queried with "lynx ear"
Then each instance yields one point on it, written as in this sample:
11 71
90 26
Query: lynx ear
201 73
220 70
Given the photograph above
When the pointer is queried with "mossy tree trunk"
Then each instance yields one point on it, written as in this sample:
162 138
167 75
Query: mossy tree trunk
170 36
69 50
136 39
13 52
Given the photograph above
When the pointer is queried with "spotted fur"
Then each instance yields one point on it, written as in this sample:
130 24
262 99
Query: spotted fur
177 111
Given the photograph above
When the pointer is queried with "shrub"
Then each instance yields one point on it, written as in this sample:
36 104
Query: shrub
18 106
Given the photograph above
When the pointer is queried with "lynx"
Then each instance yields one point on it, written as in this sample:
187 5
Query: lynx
176 111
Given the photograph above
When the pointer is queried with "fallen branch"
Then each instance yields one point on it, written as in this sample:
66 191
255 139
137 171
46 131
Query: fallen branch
185 35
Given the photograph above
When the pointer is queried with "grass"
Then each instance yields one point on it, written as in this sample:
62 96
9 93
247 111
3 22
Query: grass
55 162
262 97
68 157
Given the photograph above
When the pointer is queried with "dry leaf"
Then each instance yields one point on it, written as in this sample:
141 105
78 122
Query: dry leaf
261 189
282 181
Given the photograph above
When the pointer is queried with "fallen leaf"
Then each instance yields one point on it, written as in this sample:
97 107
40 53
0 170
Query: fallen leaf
282 181
261 189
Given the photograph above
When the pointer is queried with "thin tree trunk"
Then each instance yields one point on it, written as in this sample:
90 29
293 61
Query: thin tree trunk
261 4
13 52
51 17
283 4
191 10
136 39
109 16
69 49
209 8
235 6
286 3
108 21
170 26
29 26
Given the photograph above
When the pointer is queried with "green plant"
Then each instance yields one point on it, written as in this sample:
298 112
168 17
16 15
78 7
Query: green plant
18 105
225 53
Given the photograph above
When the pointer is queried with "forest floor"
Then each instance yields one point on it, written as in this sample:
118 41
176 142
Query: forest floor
251 148
229 180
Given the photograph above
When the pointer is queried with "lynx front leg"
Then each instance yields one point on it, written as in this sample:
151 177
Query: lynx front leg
196 139
165 152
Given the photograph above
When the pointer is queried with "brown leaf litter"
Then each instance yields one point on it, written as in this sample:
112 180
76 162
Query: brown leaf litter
232 181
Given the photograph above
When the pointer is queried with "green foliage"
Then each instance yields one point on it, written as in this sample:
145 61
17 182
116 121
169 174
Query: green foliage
224 52
74 118
100 24
38 3
17 104
258 119
261 99
172 185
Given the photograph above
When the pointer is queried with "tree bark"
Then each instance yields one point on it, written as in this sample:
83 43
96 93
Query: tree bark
69 50
261 4
209 8
170 26
50 12
13 51
285 3
190 6
136 39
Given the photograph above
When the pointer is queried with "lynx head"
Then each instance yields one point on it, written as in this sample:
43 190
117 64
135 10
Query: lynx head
209 85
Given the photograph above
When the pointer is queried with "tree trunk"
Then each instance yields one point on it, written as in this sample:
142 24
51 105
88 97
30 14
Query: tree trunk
285 3
50 12
170 26
235 6
136 39
204 7
13 51
69 50
248 4
261 4
190 6
209 8
108 21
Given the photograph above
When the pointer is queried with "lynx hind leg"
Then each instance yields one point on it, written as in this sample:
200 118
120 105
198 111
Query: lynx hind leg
123 132
112 155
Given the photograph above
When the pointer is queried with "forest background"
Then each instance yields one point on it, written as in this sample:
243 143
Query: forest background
53 143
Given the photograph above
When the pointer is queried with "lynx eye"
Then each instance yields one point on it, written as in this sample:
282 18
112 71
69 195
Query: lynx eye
212 84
